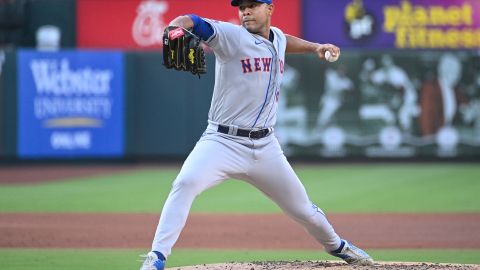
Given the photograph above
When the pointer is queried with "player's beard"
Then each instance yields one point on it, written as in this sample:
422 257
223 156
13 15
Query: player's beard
253 27
252 30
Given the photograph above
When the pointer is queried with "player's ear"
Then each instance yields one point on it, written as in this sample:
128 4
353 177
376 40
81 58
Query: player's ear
270 9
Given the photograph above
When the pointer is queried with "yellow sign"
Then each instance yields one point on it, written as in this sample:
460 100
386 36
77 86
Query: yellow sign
432 26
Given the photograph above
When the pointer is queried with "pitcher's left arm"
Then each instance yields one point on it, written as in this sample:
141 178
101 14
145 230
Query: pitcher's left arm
298 45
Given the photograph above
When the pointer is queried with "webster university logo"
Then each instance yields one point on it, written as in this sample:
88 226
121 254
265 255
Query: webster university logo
147 29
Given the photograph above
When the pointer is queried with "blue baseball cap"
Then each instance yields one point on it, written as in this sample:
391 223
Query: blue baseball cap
236 2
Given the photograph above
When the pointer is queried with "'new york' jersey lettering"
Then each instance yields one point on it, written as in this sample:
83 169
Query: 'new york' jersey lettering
261 64
248 74
266 64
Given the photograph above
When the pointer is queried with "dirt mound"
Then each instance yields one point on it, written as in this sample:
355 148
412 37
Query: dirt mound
330 265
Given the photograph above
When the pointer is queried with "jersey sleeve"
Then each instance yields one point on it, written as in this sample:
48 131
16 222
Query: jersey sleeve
225 40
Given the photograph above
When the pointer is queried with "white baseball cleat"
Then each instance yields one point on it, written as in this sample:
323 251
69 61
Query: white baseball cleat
152 262
352 254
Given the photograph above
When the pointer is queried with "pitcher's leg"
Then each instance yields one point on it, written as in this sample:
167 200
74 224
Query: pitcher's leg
279 182
205 167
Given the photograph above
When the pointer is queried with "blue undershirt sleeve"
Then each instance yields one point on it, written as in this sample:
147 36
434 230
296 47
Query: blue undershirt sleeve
201 28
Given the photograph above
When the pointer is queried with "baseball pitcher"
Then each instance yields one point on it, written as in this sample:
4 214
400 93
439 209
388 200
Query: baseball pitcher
239 141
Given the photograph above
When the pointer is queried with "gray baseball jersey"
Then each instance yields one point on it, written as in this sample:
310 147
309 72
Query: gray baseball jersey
248 74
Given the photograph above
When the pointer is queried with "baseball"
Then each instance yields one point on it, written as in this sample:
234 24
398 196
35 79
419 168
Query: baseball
330 57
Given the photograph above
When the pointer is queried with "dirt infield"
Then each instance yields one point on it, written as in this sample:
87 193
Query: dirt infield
274 231
327 265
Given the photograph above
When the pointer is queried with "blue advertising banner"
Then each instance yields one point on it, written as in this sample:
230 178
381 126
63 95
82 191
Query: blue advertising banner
401 24
70 104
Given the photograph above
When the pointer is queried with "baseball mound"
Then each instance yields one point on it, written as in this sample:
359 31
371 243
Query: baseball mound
330 265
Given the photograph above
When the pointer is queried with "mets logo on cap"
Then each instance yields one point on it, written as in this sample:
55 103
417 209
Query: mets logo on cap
235 3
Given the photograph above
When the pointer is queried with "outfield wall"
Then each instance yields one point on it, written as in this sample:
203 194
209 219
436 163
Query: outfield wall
382 104
403 89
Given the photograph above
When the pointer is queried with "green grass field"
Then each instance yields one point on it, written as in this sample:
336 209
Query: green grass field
372 188
336 188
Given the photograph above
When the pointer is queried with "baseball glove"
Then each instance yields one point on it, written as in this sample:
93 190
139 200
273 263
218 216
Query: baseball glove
182 51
